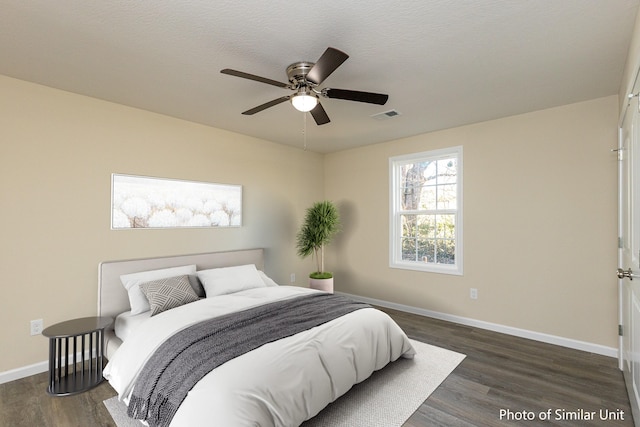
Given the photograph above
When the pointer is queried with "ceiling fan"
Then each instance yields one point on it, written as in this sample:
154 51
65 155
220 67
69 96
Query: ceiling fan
304 79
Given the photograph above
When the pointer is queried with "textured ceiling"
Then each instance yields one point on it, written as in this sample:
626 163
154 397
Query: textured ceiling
443 63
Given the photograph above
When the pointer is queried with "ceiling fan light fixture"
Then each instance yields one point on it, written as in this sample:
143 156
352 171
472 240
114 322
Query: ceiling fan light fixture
304 101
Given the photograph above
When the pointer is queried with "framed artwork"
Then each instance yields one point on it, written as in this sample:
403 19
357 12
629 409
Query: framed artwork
147 202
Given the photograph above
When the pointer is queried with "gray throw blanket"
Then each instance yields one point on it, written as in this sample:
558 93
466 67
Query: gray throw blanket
181 361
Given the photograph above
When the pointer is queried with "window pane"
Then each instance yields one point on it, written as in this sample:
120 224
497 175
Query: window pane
410 196
447 196
409 225
447 171
426 250
412 180
426 226
408 249
445 226
446 252
431 173
416 173
428 198
410 174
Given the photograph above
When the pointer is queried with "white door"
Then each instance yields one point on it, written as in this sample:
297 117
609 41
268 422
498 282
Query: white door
629 250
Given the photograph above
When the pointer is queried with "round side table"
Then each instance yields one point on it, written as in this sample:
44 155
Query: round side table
76 354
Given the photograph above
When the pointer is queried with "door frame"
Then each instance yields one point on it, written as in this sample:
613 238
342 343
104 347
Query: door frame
628 203
621 218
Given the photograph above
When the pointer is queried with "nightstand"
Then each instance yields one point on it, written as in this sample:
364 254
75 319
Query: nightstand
76 354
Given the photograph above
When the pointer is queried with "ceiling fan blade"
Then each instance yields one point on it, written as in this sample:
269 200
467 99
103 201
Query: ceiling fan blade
265 106
253 77
354 95
319 115
327 64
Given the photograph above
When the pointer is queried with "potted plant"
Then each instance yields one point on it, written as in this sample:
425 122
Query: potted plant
321 223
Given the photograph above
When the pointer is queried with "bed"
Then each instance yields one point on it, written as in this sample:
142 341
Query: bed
246 351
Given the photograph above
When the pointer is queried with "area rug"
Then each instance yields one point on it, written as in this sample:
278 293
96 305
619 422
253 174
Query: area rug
386 399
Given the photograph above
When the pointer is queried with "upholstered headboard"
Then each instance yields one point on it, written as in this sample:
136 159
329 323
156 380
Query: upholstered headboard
112 296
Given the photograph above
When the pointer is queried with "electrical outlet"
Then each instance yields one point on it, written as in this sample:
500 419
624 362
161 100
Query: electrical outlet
36 327
293 277
473 293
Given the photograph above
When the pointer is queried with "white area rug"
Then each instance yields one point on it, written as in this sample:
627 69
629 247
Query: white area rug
386 399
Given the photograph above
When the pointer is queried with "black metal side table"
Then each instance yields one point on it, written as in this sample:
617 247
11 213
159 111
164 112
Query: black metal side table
76 354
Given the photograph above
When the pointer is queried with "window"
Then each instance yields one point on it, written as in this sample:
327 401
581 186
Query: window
426 211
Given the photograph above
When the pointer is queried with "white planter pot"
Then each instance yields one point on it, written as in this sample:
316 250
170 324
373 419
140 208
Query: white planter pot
321 284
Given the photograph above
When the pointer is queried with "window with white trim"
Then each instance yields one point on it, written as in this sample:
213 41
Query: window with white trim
426 211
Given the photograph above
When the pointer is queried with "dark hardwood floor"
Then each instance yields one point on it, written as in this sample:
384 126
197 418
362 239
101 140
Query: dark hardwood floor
500 373
25 403
506 373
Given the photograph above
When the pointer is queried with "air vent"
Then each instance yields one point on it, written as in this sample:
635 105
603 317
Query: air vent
386 115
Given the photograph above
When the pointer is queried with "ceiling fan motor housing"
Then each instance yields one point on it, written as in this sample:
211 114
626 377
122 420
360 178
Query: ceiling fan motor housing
297 73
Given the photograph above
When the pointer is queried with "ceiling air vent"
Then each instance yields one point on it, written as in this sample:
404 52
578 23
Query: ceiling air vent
386 115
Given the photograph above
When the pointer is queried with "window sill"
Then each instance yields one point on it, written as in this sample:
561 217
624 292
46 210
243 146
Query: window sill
428 268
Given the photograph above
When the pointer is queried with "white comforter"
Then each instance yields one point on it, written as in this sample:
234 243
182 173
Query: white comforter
281 383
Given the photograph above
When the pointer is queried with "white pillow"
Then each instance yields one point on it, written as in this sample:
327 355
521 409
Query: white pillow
131 282
268 281
226 280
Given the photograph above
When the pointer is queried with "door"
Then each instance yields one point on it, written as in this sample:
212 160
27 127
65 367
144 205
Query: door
629 250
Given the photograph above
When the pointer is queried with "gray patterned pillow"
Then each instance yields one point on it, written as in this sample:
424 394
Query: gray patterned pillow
165 294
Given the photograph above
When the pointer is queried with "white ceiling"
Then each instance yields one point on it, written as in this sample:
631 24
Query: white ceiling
443 63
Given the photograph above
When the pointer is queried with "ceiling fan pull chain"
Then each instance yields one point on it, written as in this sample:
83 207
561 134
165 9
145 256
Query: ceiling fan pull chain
304 130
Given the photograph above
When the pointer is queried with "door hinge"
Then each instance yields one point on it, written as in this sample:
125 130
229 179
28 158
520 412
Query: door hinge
620 243
619 330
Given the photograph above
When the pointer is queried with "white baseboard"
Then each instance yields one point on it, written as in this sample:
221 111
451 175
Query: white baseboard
36 368
509 330
25 371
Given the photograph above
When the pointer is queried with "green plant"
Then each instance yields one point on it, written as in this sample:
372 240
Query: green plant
321 223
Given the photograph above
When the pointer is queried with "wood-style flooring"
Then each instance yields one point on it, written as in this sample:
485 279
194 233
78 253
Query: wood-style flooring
503 372
500 373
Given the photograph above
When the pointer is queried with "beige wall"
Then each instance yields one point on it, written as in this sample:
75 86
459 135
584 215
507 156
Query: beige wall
539 215
539 223
57 153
